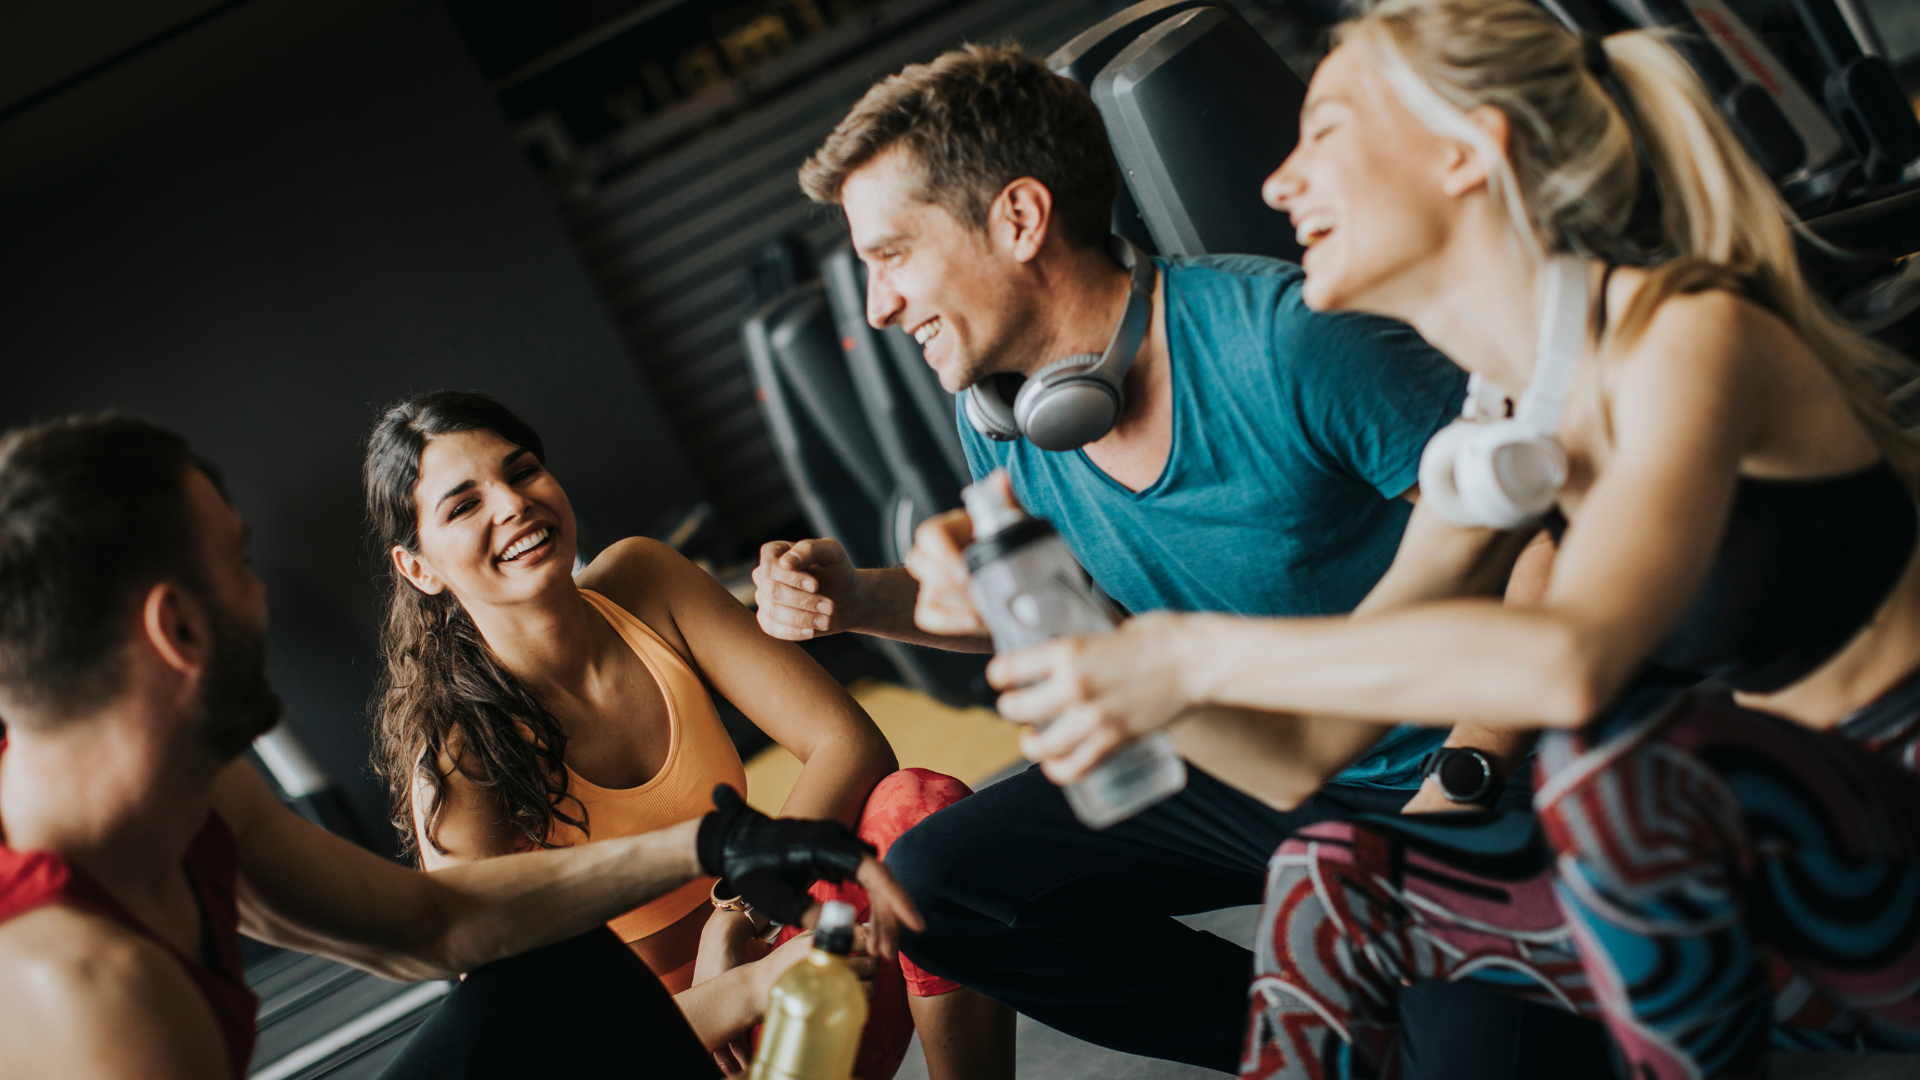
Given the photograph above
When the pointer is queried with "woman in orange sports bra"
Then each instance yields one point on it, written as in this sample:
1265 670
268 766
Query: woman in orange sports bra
523 707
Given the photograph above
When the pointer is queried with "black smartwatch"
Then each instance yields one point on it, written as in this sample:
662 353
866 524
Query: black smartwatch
1466 775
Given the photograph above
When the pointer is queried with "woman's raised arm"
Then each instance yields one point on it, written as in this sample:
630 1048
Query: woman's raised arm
780 688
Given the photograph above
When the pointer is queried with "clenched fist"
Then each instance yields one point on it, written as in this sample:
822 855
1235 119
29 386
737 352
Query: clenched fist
804 590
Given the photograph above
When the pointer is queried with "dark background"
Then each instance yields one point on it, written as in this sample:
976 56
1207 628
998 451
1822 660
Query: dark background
262 229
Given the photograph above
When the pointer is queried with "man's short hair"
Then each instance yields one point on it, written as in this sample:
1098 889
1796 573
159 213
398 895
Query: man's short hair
93 512
975 120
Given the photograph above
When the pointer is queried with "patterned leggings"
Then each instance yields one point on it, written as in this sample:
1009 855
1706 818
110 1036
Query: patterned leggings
1699 876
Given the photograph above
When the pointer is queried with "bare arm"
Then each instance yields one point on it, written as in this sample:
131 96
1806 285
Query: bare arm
1279 758
1282 759
1507 747
305 889
470 826
778 686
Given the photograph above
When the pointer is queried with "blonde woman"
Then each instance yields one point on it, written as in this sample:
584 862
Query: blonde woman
1736 507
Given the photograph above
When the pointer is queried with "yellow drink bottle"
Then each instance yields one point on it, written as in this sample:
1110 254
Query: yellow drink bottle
817 1011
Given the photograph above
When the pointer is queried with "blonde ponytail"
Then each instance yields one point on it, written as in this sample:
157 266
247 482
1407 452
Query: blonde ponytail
1571 173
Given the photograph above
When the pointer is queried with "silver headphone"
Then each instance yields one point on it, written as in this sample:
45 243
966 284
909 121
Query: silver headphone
1077 399
1486 471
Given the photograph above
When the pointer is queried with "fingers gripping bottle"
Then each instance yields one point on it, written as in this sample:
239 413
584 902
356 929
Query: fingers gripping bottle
817 1010
1029 588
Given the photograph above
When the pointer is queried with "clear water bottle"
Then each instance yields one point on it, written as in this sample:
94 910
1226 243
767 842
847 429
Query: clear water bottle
1028 589
817 1010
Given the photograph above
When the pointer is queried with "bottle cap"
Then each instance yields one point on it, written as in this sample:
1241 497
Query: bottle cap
989 508
834 931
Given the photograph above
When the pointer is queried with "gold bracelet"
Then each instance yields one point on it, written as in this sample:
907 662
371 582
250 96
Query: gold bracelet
739 904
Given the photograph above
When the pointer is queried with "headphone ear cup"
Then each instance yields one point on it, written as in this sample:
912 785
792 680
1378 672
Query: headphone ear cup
1508 477
1061 408
1439 486
989 409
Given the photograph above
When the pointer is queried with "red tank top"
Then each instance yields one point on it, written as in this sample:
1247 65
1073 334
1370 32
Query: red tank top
30 880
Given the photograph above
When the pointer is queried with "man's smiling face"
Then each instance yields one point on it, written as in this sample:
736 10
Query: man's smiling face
943 281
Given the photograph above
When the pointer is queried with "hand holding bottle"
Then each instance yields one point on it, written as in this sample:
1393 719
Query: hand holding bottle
938 562
1030 591
1088 696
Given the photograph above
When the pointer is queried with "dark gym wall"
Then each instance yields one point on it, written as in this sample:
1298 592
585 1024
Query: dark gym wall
261 229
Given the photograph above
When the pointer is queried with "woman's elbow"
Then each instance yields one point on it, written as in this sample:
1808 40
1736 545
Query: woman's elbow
876 755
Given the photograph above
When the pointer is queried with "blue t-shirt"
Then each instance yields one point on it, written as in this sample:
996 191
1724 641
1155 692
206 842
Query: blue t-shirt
1294 435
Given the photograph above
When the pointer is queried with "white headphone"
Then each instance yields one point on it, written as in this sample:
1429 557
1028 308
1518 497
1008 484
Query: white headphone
1076 399
1487 471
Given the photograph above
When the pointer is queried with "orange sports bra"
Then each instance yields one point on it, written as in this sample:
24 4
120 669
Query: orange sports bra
699 755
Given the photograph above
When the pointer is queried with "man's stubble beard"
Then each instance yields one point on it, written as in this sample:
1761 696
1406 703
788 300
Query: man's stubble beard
1009 352
238 703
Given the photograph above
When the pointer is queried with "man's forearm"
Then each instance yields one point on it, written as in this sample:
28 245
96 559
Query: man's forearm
500 907
884 608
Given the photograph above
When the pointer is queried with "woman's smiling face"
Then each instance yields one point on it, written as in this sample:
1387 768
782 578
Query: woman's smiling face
1365 188
495 526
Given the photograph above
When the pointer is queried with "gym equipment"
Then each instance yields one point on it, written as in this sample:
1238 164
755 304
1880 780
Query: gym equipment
1081 60
1860 218
306 787
840 482
1496 472
1767 109
935 405
1076 399
814 413
1862 94
1200 111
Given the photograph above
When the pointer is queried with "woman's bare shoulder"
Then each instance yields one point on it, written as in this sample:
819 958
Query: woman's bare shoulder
638 569
1718 313
650 581
1720 332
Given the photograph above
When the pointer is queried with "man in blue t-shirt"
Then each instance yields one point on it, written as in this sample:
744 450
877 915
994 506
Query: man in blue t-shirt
1262 463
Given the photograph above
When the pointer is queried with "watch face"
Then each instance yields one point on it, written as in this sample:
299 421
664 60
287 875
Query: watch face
1464 777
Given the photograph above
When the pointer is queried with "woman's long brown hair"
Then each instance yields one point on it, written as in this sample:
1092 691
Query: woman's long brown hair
442 695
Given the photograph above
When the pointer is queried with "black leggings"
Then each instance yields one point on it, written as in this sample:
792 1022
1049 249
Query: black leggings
586 1006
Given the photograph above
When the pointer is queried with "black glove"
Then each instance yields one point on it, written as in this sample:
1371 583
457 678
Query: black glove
773 861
